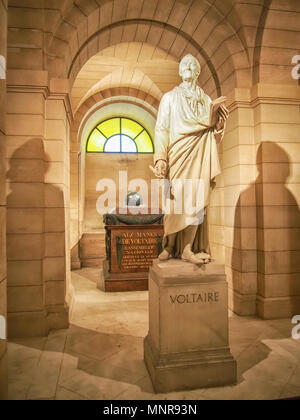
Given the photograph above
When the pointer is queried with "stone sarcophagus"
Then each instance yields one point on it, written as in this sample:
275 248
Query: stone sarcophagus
132 243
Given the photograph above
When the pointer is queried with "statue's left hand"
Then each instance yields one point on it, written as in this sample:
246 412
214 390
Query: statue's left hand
223 116
160 169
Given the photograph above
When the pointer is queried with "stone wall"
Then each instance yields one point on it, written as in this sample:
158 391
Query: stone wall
255 207
87 169
242 46
3 281
257 50
277 124
240 205
38 190
99 166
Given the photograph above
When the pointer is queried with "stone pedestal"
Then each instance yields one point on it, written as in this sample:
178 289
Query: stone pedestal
187 345
92 249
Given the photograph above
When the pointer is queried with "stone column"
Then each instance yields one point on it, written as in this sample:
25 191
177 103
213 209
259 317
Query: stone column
75 229
3 282
260 183
57 263
25 200
187 345
277 128
37 153
239 174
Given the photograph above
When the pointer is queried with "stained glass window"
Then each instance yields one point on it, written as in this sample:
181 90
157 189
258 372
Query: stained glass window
119 135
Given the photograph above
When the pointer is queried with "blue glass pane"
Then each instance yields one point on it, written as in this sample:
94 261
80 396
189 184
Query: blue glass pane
128 145
113 145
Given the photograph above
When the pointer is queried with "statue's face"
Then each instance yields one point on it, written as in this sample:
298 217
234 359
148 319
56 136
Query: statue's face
189 68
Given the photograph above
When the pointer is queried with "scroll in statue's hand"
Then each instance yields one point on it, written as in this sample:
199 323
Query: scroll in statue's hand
160 169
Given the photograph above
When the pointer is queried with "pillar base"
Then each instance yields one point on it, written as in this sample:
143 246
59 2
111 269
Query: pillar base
37 324
189 370
278 307
58 317
3 377
242 305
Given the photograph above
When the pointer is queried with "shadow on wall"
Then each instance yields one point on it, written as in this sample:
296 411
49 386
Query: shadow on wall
268 262
35 247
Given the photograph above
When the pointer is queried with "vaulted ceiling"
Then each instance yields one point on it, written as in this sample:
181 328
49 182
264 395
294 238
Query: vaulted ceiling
136 65
238 42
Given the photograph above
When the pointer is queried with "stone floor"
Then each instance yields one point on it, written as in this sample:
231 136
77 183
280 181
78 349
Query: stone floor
101 355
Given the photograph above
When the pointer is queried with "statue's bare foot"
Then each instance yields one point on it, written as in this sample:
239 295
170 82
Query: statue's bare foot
206 258
164 256
188 255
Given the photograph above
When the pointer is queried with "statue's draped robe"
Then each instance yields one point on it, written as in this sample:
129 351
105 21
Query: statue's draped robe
184 139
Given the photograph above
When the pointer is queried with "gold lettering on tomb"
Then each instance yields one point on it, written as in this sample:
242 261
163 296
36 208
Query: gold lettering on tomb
135 249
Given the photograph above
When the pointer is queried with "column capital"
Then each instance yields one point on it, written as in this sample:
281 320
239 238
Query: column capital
59 89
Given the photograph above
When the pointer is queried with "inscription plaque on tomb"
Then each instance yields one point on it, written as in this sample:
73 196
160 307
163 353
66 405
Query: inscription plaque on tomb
133 248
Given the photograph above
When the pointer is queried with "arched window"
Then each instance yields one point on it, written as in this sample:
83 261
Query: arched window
119 135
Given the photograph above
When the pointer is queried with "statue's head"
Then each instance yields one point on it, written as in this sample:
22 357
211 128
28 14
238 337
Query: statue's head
189 68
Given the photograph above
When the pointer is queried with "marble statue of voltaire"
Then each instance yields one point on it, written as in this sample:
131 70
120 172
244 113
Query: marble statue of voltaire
186 148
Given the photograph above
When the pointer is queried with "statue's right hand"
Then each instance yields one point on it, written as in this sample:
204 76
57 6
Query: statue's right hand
160 169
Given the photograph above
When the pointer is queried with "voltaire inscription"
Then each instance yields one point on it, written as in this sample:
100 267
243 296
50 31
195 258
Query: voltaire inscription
196 298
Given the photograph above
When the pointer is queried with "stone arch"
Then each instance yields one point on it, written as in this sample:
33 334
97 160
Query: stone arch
128 95
122 94
181 26
190 47
106 84
278 29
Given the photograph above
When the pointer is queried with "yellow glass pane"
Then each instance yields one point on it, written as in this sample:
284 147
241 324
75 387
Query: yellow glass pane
96 142
144 143
131 128
110 127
